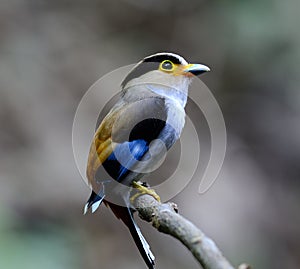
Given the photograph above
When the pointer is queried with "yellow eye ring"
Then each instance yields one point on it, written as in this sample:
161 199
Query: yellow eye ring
167 66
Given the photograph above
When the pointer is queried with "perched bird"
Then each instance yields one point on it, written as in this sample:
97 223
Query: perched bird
131 140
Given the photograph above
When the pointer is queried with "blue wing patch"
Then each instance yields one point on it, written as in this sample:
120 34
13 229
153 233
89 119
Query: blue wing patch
124 157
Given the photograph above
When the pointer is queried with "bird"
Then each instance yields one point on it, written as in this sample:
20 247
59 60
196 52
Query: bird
132 138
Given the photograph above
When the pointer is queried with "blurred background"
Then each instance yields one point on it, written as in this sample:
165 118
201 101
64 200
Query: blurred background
50 54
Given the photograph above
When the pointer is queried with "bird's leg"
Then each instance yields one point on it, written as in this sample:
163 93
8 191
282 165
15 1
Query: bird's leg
142 188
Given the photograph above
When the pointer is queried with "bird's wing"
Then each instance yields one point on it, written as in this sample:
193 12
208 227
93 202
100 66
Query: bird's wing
127 125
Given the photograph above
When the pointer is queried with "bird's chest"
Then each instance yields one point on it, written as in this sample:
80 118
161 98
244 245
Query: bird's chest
174 122
175 115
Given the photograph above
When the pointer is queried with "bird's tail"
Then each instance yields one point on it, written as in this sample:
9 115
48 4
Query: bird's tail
125 214
94 201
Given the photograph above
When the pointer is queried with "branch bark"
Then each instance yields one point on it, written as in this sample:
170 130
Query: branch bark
164 218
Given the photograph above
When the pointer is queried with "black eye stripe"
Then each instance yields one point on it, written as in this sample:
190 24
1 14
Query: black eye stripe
161 58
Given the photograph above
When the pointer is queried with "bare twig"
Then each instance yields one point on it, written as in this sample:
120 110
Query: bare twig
164 218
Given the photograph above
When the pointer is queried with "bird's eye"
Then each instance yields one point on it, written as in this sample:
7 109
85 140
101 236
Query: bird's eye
167 65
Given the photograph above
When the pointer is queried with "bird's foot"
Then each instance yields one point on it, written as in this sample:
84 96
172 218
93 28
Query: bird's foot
143 189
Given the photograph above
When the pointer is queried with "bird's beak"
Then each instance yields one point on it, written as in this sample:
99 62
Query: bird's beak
195 69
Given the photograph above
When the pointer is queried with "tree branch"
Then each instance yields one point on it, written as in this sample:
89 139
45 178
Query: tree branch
164 218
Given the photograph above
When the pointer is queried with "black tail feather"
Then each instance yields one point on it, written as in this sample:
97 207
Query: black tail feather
126 215
94 201
141 243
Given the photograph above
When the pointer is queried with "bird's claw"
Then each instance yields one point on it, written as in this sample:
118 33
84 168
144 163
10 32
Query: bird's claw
142 189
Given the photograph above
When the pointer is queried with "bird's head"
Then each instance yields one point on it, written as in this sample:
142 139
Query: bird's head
164 70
